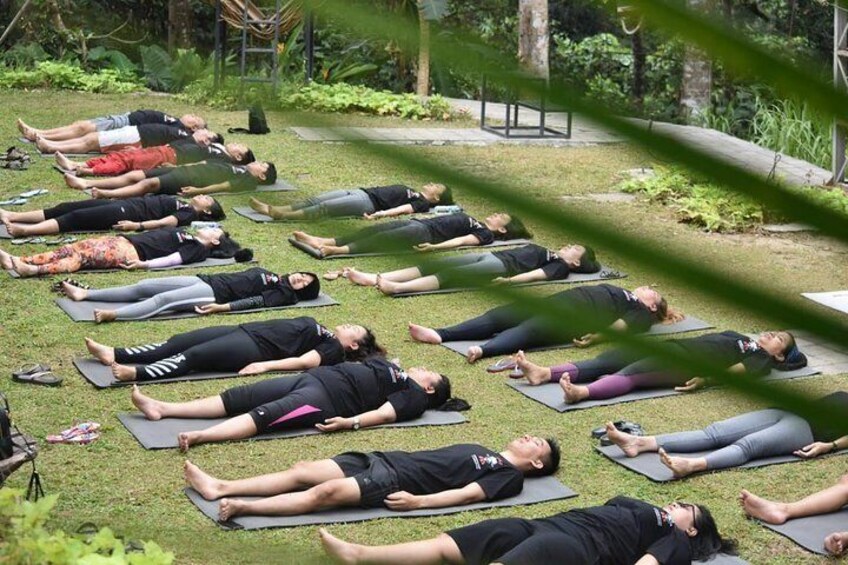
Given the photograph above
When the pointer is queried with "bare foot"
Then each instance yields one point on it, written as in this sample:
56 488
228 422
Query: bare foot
311 240
573 393
762 509
123 372
423 334
75 293
75 182
98 193
15 230
150 407
631 445
6 260
26 131
473 354
66 163
42 144
339 550
208 486
102 353
104 316
186 440
260 206
680 466
358 277
229 507
386 286
836 543
5 215
535 374
23 269
327 250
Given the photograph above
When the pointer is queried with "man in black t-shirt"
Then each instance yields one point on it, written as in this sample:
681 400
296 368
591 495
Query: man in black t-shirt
190 122
398 480
621 532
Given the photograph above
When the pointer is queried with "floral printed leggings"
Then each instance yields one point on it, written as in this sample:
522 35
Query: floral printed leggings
96 253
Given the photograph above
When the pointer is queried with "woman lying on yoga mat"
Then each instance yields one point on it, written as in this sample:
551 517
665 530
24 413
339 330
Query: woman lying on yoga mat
737 440
520 265
617 372
825 501
376 202
249 349
455 475
347 396
182 152
622 531
511 328
442 232
133 214
163 247
130 137
187 180
190 122
204 294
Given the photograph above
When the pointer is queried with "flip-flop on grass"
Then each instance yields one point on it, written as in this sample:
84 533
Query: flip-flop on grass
46 378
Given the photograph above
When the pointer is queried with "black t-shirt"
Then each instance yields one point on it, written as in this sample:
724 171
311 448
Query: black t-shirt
215 172
453 467
355 388
140 117
624 530
448 227
164 241
253 282
606 304
834 401
157 206
188 151
160 134
729 348
281 339
387 197
531 257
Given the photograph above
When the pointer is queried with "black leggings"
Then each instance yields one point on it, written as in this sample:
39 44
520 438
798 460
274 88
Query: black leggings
87 215
400 234
512 328
284 402
220 348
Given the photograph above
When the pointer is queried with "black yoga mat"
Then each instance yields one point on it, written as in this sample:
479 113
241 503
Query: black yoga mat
723 559
536 490
4 233
309 250
252 214
202 264
810 532
551 394
649 464
84 311
687 324
279 186
101 375
573 278
162 434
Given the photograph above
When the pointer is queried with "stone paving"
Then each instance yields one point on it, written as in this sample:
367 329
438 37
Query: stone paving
828 358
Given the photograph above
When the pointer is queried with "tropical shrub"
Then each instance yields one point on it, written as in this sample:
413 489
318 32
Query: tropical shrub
346 98
48 74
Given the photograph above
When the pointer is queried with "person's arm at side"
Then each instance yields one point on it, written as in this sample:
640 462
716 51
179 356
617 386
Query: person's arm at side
647 559
171 260
619 326
250 303
529 276
127 225
308 360
449 244
821 447
469 494
385 414
391 212
211 189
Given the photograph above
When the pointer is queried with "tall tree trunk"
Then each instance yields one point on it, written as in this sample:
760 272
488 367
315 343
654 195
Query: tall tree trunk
422 87
697 76
533 37
637 49
179 24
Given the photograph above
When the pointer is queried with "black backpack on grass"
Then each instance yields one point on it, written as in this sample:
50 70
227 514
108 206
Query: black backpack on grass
256 122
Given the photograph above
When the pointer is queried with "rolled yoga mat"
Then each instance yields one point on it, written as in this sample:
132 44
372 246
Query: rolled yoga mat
687 324
309 250
162 434
551 394
649 464
573 278
211 262
810 532
84 311
536 490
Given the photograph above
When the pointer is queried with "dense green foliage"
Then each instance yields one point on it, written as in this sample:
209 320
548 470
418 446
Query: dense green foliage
66 76
347 98
24 538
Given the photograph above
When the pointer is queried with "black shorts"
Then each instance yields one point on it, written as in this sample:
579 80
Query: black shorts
171 179
375 477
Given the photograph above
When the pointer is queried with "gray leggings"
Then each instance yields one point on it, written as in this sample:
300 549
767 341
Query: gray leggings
456 271
740 439
153 296
336 203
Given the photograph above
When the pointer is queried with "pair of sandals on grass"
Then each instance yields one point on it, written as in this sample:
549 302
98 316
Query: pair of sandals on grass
23 197
16 160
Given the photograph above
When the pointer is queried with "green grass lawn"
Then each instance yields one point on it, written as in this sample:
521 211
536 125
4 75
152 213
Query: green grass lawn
138 493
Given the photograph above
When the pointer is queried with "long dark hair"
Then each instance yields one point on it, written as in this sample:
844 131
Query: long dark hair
368 347
708 541
441 398
793 359
310 291
228 248
515 229
215 211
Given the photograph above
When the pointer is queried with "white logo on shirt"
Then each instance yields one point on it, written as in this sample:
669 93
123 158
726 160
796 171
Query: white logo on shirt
747 346
398 375
630 296
490 461
269 279
324 332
